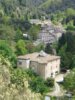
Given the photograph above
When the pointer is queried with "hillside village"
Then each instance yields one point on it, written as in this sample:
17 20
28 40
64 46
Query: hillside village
37 49
43 64
49 32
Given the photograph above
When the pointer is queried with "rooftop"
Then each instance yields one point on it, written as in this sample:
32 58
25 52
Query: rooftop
41 57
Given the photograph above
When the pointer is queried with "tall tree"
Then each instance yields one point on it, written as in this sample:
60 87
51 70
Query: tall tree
48 49
21 47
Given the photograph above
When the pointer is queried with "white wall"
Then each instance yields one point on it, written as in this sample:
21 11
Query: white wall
23 63
52 67
43 70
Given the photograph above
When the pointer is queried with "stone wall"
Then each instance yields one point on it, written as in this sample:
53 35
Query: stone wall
44 70
23 63
52 68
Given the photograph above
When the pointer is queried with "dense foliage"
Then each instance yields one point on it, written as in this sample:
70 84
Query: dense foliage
7 52
66 49
14 23
14 83
38 84
58 5
69 82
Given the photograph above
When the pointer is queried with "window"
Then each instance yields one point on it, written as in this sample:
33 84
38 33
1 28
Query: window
51 74
56 72
20 63
51 67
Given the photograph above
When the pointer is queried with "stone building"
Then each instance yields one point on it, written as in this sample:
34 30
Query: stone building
43 64
50 33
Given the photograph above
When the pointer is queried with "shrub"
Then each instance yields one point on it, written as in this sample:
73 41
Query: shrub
49 82
37 85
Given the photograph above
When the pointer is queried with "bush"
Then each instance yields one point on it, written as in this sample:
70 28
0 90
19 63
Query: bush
31 73
21 48
49 82
69 82
38 84
17 77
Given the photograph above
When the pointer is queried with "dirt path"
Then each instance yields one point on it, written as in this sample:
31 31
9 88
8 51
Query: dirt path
57 89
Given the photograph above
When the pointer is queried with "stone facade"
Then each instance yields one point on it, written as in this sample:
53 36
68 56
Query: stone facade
41 67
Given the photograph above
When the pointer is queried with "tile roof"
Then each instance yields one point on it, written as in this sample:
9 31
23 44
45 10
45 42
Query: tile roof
41 57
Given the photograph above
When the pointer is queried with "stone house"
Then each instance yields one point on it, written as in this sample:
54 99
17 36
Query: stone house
50 33
43 64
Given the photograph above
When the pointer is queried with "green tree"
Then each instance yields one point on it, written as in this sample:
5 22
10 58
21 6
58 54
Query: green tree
18 35
37 85
70 12
70 42
7 52
69 82
17 77
49 82
6 32
48 49
33 32
21 47
30 47
39 47
66 49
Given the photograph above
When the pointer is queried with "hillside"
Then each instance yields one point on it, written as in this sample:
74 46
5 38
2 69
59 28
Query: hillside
11 7
23 7
48 3
10 91
57 5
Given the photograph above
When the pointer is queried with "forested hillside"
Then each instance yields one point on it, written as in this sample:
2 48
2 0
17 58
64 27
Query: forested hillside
18 7
23 7
15 15
57 5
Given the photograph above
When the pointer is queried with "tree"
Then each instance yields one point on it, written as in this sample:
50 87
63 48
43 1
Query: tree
7 52
21 47
18 35
17 77
70 12
70 42
37 85
61 42
48 49
33 32
30 47
66 49
40 47
49 82
73 60
6 32
69 82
